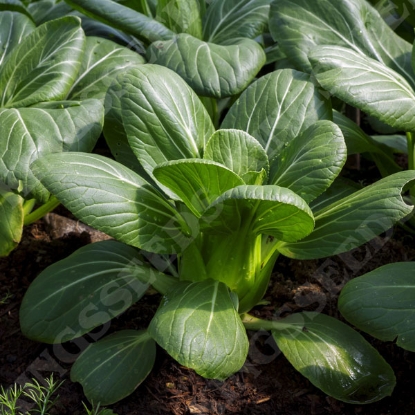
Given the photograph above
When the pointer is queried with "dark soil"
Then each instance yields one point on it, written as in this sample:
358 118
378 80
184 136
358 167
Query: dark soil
266 385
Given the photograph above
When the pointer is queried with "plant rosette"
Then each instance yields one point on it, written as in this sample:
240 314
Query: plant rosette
53 81
212 45
225 204
356 56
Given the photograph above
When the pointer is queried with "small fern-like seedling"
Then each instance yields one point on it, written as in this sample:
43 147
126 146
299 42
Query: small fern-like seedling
42 395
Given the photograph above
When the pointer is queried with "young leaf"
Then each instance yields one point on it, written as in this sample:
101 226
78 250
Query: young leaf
270 210
83 291
109 197
301 25
278 107
354 220
112 368
238 151
211 70
197 182
366 84
70 126
11 223
44 65
102 61
381 303
14 27
311 162
123 18
163 118
335 358
232 19
181 16
198 326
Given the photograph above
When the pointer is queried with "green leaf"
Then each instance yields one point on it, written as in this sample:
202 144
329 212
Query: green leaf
301 25
11 224
14 6
112 368
366 84
238 151
123 18
381 303
113 199
354 220
198 326
357 141
311 162
335 358
211 70
181 16
44 65
45 10
270 210
396 142
114 131
140 6
29 133
233 19
84 290
338 190
278 107
197 182
163 118
93 27
102 61
14 27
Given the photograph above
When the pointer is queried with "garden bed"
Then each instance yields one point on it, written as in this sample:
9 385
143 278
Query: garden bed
267 384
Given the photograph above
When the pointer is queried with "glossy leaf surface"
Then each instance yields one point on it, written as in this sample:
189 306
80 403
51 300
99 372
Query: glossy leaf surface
366 84
311 162
211 70
238 151
14 5
112 368
197 182
382 303
14 27
339 189
44 65
70 126
269 210
109 197
276 108
301 25
198 326
233 19
354 220
181 16
83 291
46 10
335 358
163 118
123 18
102 61
114 131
